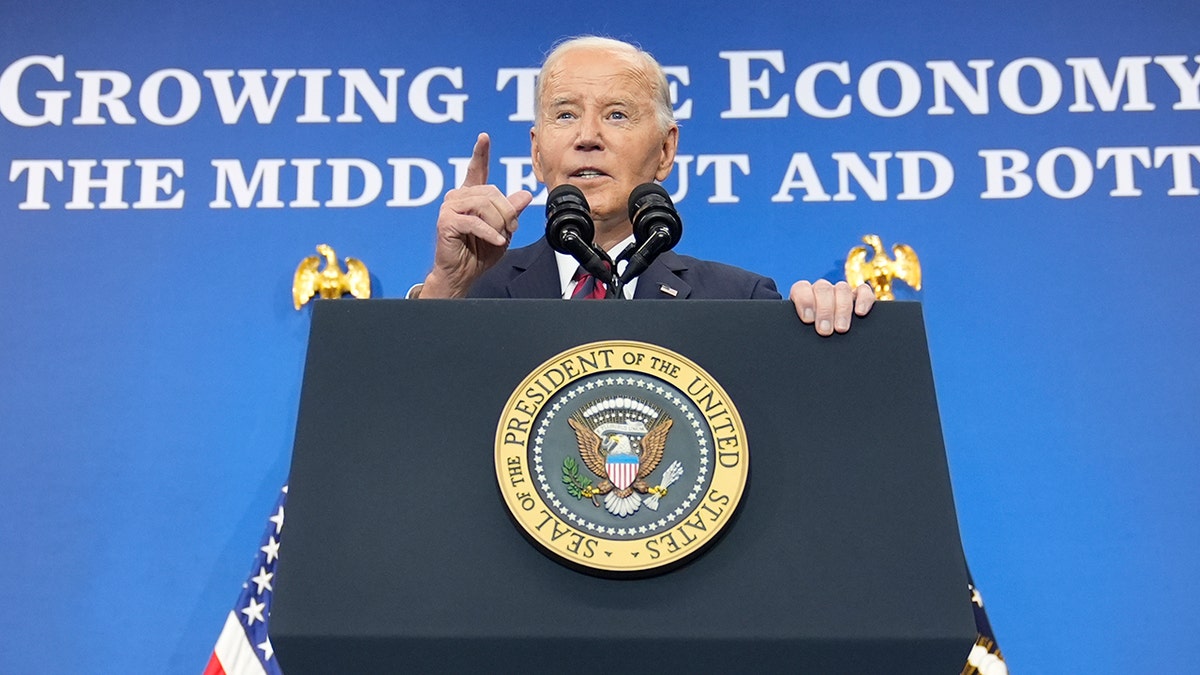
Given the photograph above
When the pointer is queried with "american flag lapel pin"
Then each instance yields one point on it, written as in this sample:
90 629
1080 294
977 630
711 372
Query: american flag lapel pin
668 290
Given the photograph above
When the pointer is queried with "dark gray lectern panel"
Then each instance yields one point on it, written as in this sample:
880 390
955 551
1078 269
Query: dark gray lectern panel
401 556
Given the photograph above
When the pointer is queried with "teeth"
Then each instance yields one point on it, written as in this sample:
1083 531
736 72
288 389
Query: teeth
588 174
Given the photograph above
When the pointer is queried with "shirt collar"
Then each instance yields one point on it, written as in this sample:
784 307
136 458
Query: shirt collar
568 265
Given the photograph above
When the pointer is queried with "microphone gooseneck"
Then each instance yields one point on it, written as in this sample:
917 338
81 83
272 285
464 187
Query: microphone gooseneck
570 230
656 227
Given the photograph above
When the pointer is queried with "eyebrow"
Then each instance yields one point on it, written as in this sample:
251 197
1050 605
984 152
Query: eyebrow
559 101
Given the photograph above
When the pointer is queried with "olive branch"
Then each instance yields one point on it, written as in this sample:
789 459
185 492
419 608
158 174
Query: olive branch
575 483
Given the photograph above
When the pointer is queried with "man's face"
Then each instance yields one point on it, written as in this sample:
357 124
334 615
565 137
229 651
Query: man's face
598 130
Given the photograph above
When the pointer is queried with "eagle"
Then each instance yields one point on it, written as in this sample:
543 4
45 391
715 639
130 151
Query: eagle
880 271
329 282
622 455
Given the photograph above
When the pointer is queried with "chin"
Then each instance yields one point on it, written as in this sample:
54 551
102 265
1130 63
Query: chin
604 199
607 210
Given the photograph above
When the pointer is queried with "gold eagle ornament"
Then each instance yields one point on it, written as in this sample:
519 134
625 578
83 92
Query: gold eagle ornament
330 282
879 271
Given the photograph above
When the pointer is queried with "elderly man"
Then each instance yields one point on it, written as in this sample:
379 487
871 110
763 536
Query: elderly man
603 124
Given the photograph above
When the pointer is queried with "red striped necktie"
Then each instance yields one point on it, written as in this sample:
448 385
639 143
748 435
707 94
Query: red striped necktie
587 287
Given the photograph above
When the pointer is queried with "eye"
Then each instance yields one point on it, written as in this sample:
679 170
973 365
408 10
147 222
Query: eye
564 115
618 115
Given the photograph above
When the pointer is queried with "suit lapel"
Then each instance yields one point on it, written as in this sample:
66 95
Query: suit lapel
662 277
536 276
537 273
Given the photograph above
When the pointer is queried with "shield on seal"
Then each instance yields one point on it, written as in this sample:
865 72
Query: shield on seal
622 469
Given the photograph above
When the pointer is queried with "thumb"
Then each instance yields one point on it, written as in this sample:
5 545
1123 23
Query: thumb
520 199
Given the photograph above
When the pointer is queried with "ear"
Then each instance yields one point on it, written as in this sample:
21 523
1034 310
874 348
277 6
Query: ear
667 161
535 153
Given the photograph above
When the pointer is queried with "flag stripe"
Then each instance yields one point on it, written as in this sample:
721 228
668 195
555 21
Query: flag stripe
244 647
214 666
234 651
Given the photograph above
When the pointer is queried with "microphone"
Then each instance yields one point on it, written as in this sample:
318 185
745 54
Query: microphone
569 229
656 227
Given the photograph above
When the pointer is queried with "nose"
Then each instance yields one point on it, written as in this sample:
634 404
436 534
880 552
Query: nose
590 133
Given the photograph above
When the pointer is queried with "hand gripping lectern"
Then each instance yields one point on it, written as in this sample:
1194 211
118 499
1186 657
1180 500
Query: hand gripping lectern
410 550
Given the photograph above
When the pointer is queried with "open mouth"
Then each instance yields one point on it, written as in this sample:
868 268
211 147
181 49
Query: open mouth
588 172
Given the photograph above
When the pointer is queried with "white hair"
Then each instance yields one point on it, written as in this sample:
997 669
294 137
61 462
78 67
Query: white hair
660 95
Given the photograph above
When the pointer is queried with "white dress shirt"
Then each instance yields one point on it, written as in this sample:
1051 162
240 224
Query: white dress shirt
568 266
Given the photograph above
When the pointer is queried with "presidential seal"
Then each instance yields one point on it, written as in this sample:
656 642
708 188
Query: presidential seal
621 457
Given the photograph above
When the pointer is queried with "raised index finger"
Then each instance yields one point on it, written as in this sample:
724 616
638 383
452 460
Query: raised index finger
477 168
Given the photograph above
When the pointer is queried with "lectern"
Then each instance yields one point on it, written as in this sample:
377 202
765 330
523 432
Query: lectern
402 556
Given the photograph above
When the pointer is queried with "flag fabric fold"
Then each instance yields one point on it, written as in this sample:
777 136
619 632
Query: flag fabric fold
243 647
985 657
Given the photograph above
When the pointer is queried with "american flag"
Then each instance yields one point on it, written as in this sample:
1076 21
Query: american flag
985 657
243 648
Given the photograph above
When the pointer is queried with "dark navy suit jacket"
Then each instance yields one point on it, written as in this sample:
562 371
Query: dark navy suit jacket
532 272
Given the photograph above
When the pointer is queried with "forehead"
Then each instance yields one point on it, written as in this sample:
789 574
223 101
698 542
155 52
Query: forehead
596 73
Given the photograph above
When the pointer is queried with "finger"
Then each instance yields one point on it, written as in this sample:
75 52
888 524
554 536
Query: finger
802 297
477 168
843 298
484 211
488 204
823 296
864 299
462 226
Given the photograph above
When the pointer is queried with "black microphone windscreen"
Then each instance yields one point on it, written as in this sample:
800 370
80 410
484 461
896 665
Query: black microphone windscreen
645 194
651 208
567 210
562 195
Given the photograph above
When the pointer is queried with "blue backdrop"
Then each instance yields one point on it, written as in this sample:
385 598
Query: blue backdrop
152 359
